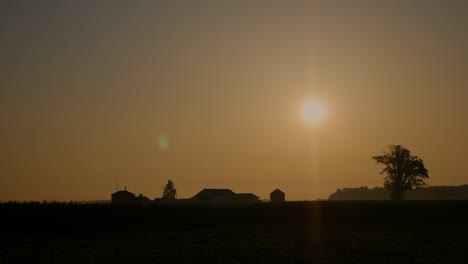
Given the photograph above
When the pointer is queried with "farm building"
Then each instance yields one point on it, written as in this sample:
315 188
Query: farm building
223 196
247 197
124 197
277 196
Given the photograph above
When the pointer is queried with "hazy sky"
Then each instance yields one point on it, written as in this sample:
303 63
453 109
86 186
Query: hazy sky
207 93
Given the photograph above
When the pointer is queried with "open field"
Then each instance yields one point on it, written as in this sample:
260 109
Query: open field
295 232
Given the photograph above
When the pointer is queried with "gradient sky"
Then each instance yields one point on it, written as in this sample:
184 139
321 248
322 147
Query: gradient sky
207 93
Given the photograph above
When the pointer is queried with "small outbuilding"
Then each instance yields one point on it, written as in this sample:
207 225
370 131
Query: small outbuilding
277 196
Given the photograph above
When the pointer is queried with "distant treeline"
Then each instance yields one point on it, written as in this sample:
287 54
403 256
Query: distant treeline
380 193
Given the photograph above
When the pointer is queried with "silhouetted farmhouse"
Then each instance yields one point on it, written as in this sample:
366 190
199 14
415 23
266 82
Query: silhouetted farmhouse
124 197
223 196
277 196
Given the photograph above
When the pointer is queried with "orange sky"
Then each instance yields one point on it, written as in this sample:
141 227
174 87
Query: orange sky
88 89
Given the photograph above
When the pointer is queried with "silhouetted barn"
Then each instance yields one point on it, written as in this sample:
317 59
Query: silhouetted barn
214 196
277 196
223 196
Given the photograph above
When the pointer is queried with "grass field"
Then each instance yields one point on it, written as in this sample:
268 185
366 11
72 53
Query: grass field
295 232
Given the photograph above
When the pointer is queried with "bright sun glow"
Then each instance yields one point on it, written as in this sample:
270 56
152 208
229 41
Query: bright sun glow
312 112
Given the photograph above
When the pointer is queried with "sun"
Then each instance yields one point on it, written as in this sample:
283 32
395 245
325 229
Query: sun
312 112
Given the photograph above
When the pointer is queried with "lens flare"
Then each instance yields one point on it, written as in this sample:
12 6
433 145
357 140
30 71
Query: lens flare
163 142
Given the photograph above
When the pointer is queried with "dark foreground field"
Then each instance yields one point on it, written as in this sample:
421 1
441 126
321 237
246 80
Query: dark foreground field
302 232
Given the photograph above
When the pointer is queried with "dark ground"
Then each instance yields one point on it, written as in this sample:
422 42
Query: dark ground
297 232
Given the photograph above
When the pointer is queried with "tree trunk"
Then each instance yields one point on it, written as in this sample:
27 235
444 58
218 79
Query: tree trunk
397 195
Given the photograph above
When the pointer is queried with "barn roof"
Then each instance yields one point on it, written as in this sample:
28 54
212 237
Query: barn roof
213 193
247 196
277 191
